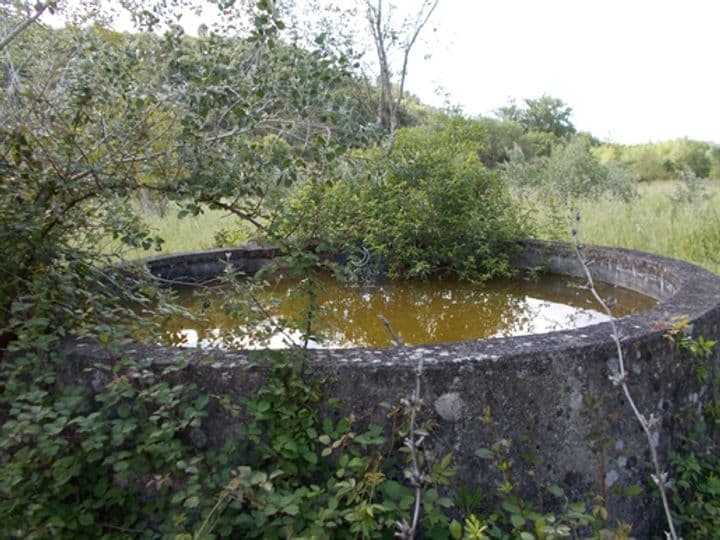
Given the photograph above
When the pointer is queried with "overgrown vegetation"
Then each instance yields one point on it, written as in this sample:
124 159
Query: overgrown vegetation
696 489
663 161
106 138
654 222
427 206
550 188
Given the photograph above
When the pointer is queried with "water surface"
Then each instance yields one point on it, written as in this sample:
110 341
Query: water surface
422 312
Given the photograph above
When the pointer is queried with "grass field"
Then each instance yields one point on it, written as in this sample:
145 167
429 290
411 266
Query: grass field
651 222
192 232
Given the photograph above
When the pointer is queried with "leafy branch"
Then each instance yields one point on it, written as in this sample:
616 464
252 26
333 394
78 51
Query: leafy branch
40 8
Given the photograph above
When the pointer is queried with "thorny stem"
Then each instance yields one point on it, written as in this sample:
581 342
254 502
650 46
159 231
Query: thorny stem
660 477
407 531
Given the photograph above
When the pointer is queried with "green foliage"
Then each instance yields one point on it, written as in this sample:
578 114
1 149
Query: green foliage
571 173
689 189
427 206
646 164
308 476
680 333
511 516
696 158
715 159
92 119
572 170
695 489
544 114
131 460
647 223
550 188
229 237
664 160
472 529
86 466
498 139
89 119
696 493
539 143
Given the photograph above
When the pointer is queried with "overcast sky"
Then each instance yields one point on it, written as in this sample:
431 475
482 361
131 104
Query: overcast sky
633 71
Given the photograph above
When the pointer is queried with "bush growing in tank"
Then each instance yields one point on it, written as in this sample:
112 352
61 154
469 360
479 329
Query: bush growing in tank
425 206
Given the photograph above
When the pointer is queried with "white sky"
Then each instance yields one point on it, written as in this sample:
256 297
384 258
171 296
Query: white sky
633 71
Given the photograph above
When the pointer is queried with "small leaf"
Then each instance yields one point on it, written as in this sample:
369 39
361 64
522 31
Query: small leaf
456 529
192 502
291 509
324 439
484 453
124 410
64 469
263 406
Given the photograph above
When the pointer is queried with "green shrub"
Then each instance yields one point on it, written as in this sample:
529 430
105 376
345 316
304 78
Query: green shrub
572 172
428 205
540 143
550 188
715 160
664 160
646 163
499 138
696 157
696 493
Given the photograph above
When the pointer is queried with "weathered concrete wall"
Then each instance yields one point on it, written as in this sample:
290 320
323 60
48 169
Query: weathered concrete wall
537 387
200 266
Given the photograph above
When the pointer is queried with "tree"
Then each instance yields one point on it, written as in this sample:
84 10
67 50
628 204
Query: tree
32 14
89 116
550 115
385 39
359 30
99 116
697 157
544 114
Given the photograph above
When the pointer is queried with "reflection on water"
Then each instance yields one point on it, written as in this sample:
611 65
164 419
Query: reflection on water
422 312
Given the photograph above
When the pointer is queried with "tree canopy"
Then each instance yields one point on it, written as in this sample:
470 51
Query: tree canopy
544 114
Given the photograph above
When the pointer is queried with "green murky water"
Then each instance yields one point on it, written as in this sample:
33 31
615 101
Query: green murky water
422 312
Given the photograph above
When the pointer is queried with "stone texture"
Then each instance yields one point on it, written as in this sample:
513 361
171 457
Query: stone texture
450 407
537 387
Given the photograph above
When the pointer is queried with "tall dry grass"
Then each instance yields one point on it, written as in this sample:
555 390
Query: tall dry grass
654 223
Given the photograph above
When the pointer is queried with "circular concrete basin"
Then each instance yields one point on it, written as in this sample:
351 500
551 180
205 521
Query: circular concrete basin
539 388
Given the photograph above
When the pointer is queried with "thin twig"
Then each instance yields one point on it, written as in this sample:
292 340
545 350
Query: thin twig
405 530
649 425
39 10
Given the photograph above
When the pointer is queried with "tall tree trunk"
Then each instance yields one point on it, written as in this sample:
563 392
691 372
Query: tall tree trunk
388 106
